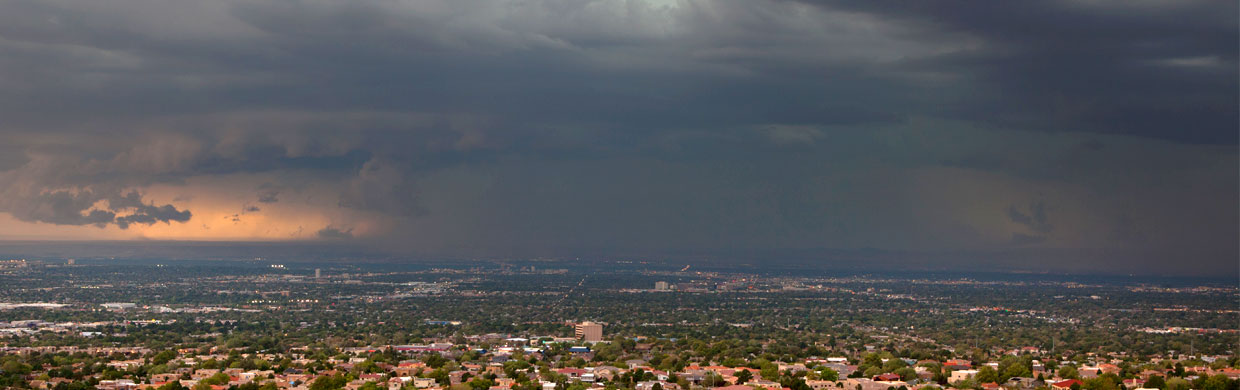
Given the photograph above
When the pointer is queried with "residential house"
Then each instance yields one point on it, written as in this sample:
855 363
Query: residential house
961 375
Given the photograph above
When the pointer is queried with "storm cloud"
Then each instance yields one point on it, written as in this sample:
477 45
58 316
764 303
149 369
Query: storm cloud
1101 131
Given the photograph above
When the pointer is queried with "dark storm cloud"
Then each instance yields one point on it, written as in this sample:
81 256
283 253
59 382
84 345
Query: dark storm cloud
62 207
1125 67
78 208
1113 67
544 65
151 214
659 125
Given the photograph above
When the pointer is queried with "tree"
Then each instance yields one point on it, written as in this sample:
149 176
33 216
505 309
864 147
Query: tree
769 372
906 373
1099 383
328 382
828 374
794 383
680 381
481 383
872 371
1156 382
434 360
15 367
1217 382
712 379
1069 372
1015 370
893 364
742 377
171 385
1176 384
987 374
218 378
164 356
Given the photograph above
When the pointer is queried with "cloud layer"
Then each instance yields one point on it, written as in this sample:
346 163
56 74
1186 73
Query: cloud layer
1103 132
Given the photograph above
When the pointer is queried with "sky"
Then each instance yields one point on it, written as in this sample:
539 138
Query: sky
1061 136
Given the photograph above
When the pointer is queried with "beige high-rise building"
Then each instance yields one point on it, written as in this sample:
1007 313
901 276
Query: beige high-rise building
589 331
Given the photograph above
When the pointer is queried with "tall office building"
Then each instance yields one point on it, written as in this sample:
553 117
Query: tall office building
318 273
589 331
661 286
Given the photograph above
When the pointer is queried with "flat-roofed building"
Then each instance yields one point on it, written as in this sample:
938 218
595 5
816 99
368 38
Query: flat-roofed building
589 331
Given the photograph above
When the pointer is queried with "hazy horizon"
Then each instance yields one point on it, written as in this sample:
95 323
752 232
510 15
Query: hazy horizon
818 260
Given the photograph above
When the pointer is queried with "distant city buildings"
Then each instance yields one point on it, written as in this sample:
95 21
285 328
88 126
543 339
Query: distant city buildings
119 305
15 263
661 286
589 331
37 305
318 273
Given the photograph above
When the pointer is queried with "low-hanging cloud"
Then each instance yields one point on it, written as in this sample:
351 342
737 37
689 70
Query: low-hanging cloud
382 186
335 233
79 208
268 195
